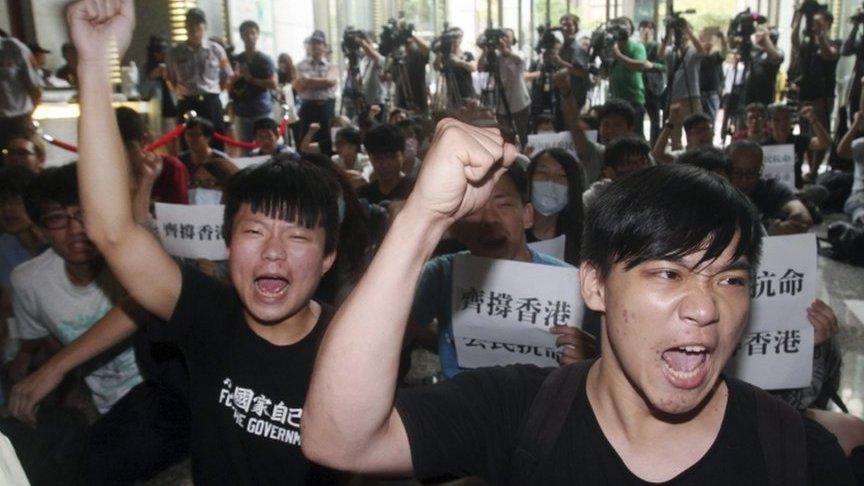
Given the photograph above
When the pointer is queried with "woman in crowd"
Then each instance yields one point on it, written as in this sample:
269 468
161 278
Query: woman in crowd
555 187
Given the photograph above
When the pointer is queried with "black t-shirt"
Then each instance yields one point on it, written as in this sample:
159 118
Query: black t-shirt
372 192
574 54
415 68
246 394
769 197
463 77
762 80
469 426
801 144
820 75
711 73
253 100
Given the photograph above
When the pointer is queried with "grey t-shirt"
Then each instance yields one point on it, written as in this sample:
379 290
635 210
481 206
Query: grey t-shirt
18 76
687 75
592 161
512 73
373 89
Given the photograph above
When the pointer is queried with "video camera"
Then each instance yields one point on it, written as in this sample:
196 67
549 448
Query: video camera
491 38
858 17
394 34
604 37
674 21
811 7
744 24
351 38
443 44
547 38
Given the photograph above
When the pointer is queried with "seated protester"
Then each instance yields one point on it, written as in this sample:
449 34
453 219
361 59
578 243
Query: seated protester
198 135
616 120
267 137
495 230
699 129
555 190
755 129
210 179
66 289
27 152
396 116
780 133
621 158
851 146
386 148
413 135
21 239
667 258
349 156
781 211
249 346
172 184
712 159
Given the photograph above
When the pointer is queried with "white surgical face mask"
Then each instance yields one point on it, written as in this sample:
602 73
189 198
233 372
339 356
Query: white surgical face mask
549 197
203 197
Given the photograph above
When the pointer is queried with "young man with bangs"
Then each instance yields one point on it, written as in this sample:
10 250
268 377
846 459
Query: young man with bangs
249 347
667 259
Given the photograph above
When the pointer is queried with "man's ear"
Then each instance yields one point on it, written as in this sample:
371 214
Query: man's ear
592 286
527 216
328 262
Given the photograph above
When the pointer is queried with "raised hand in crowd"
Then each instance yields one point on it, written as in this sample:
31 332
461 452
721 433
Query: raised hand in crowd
96 25
825 323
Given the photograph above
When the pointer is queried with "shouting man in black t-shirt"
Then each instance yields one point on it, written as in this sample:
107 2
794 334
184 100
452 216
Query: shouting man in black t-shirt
249 348
668 254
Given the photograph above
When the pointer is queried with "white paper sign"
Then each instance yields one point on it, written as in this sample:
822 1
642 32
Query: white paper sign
779 164
503 310
192 231
776 350
543 141
243 162
554 247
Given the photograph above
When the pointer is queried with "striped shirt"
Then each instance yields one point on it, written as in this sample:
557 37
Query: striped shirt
309 68
198 70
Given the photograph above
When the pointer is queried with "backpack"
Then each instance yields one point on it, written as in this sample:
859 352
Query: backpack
780 427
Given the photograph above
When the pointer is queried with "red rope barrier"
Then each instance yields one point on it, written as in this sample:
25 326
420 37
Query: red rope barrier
234 142
57 143
166 139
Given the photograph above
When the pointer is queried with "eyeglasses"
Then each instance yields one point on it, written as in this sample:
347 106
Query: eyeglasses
19 152
60 219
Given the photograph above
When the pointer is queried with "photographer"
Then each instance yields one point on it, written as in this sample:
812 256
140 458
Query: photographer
766 59
711 71
458 63
573 60
816 61
371 73
415 61
625 75
654 80
511 72
685 97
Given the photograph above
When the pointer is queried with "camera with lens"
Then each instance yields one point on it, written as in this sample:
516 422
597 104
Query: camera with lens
394 35
351 38
604 37
547 39
858 17
443 44
491 38
811 7
744 24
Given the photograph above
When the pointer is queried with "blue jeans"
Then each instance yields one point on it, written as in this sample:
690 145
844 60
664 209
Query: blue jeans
710 103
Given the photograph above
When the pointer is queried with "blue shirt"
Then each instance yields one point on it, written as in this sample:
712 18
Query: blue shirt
253 101
433 300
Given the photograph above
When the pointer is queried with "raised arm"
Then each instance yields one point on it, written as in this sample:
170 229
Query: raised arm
136 258
115 327
659 151
349 421
844 148
822 138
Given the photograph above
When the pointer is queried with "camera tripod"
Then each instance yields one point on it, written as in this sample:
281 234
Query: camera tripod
496 94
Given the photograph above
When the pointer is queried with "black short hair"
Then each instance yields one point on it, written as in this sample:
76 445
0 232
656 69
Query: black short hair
204 124
647 23
743 145
712 159
14 181
132 127
519 178
669 211
573 16
249 24
195 16
265 123
384 139
695 119
287 189
350 135
620 108
55 184
623 147
760 107
777 108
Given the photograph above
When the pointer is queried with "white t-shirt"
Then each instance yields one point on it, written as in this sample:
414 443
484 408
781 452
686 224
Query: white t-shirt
363 165
46 302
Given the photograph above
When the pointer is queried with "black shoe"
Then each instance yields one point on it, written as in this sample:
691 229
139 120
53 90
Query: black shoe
847 242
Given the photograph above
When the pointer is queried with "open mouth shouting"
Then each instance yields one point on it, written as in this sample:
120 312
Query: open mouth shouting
686 366
271 286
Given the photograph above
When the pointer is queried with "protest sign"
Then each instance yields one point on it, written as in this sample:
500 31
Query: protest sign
191 231
543 141
243 162
553 247
503 310
776 350
779 164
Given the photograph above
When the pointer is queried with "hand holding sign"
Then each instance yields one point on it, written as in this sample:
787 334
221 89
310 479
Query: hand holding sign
460 170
